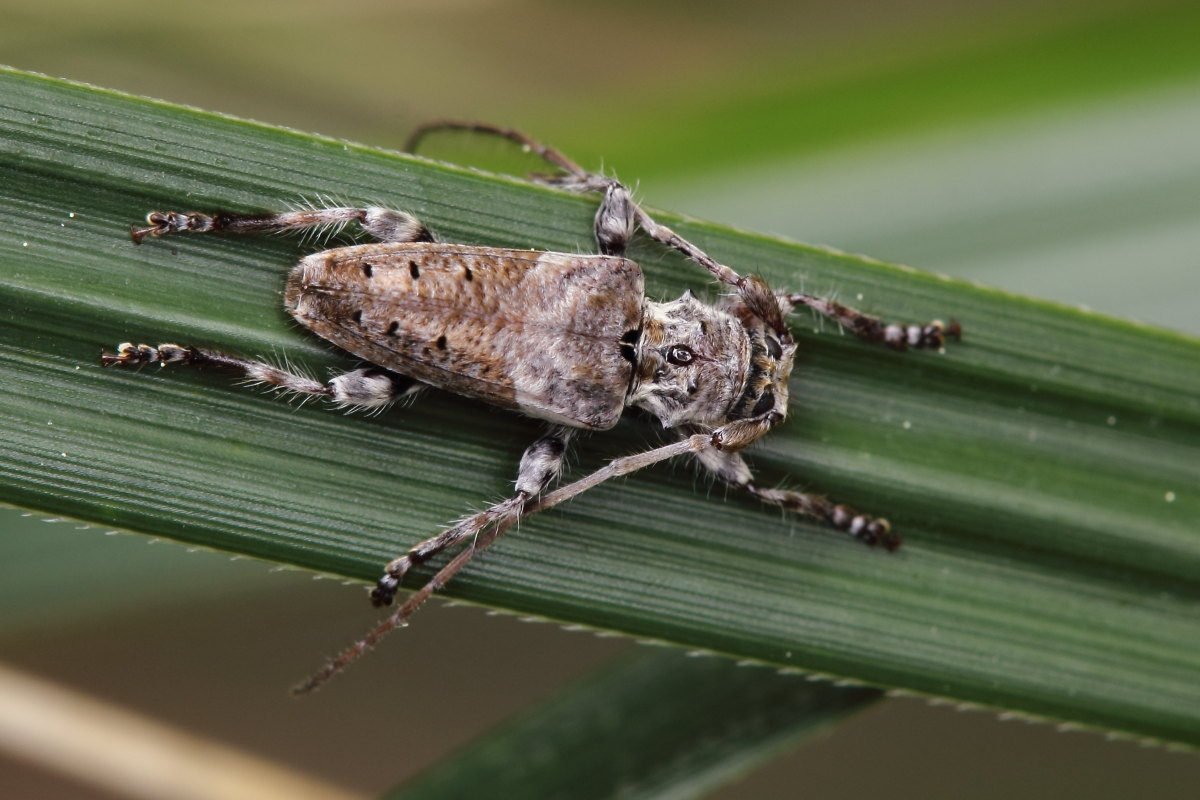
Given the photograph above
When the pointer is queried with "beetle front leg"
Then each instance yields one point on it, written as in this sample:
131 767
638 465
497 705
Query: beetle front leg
931 336
732 468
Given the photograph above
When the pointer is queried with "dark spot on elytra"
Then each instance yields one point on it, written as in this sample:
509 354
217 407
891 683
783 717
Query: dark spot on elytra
367 269
441 342
391 329
468 274
357 315
414 270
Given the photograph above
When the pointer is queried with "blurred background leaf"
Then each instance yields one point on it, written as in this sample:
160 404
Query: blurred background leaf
909 132
649 725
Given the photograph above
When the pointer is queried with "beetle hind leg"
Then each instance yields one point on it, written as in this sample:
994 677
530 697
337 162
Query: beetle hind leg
383 224
370 387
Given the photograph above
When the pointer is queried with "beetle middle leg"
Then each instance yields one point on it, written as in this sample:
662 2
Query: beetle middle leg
619 214
541 464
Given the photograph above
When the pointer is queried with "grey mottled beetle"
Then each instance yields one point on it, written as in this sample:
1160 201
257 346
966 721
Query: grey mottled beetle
570 339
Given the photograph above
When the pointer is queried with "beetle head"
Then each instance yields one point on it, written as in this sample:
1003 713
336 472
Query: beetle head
705 365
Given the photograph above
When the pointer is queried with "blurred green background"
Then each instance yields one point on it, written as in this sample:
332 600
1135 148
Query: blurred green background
1048 148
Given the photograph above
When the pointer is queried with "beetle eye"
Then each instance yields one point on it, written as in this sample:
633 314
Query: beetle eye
679 355
773 348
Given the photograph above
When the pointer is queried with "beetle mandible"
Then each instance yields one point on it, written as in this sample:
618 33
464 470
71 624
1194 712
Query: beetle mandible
570 339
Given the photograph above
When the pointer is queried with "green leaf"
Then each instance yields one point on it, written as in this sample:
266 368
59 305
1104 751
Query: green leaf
652 722
996 66
1044 472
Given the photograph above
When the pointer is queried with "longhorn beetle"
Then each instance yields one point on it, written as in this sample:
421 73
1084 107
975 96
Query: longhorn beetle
569 339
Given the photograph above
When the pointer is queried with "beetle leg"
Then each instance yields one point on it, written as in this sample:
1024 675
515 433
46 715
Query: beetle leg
384 224
370 387
898 337
541 463
619 215
732 468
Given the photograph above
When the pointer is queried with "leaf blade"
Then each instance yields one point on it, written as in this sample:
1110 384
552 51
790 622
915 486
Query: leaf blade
1051 558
